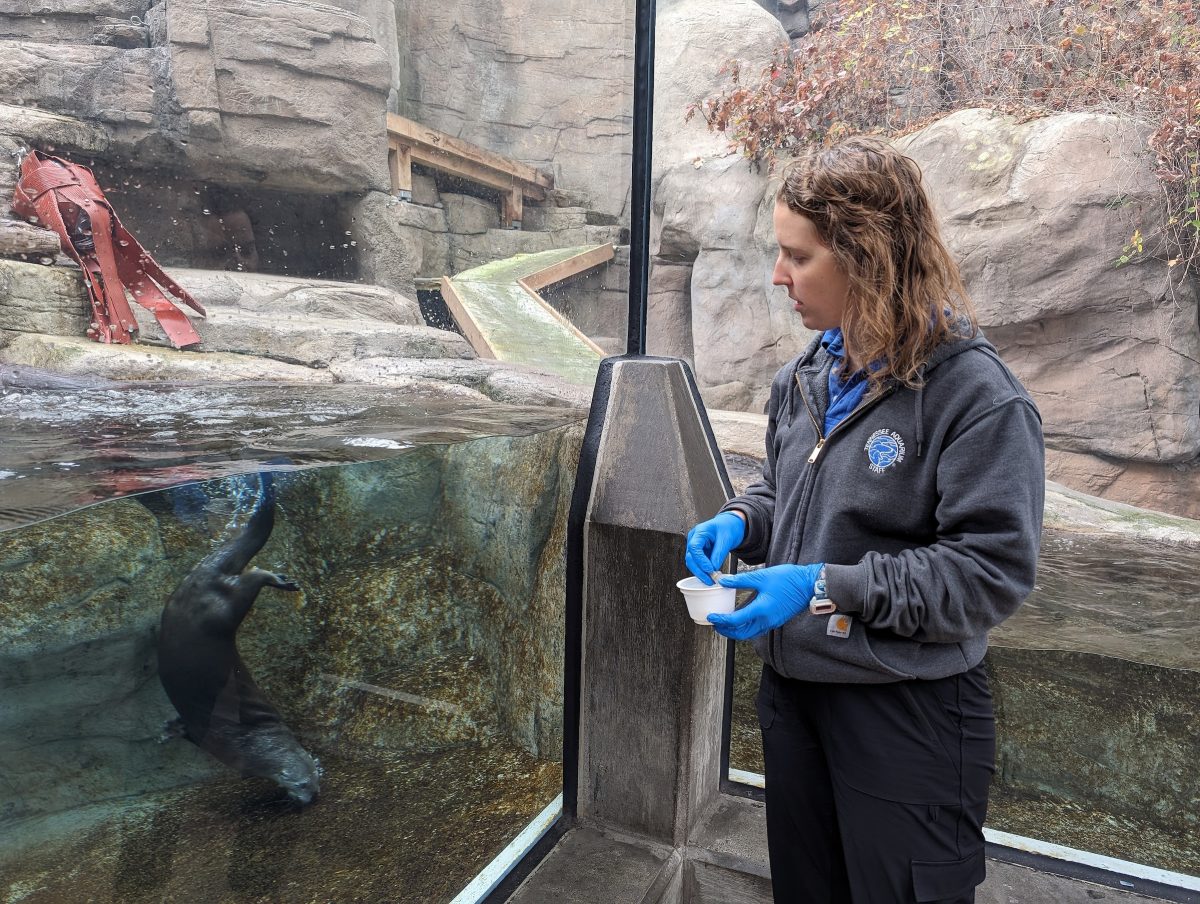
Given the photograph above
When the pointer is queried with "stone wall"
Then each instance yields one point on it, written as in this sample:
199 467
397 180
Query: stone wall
250 134
547 82
1037 213
276 93
711 299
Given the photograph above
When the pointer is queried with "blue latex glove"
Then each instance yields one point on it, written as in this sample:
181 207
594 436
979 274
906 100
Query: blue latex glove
782 592
710 542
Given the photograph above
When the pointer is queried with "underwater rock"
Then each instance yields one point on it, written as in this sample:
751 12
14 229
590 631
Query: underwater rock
221 709
1082 734
76 617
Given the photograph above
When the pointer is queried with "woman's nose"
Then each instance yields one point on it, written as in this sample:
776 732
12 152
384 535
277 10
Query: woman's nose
778 276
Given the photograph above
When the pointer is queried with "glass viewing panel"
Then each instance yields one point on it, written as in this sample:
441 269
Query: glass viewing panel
1095 679
409 676
1096 682
408 231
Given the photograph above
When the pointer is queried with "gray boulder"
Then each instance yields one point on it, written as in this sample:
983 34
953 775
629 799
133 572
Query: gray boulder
711 212
291 297
546 82
276 93
1037 213
39 299
290 92
77 356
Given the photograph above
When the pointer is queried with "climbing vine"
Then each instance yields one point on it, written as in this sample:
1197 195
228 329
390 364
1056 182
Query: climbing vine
891 66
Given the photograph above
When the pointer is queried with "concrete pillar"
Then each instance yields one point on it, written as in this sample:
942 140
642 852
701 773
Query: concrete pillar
652 679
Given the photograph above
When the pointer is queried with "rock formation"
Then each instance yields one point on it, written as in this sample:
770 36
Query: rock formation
1037 213
248 135
545 81
712 301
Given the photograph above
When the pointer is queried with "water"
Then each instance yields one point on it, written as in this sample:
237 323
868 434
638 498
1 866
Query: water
70 442
421 662
1097 688
1125 598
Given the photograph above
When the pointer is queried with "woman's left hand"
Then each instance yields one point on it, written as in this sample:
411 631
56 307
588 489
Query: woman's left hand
782 592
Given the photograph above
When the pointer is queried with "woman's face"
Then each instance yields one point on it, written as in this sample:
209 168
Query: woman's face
815 281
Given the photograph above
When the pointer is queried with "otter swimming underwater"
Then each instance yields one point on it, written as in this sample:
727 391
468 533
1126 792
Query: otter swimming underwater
220 707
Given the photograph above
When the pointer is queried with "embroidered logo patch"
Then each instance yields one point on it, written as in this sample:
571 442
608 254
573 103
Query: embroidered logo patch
884 448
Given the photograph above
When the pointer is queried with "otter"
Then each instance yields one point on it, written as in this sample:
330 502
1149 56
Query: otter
221 709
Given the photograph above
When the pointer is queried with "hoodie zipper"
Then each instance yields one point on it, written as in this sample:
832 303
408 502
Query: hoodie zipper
775 638
823 441
853 415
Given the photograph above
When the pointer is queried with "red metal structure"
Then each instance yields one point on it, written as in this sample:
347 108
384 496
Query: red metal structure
65 197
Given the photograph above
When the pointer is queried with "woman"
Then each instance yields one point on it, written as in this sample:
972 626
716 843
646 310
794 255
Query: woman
898 514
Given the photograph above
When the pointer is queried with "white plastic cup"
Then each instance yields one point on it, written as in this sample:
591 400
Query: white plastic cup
703 600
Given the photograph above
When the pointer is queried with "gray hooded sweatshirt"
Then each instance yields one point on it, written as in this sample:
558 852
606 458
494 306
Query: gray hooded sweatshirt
925 504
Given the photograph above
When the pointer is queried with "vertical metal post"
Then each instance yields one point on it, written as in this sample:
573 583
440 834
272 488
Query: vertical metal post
639 201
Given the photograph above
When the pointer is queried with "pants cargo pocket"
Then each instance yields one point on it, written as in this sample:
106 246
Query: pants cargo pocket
764 701
947 881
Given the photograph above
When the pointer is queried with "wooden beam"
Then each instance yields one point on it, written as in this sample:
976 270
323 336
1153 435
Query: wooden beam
467 169
569 267
514 206
459 312
471 171
417 135
400 165
562 319
557 273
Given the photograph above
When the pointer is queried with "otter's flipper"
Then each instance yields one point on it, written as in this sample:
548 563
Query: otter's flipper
172 730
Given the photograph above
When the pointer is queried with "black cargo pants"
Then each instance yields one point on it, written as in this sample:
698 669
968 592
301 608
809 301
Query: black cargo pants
877 793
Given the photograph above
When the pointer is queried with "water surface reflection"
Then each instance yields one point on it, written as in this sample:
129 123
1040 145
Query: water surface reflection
70 442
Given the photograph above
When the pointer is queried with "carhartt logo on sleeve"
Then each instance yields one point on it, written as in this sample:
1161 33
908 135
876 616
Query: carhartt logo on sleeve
884 448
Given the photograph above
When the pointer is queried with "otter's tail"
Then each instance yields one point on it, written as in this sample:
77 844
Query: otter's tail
235 554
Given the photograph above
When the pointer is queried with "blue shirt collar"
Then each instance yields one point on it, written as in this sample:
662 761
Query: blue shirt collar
834 344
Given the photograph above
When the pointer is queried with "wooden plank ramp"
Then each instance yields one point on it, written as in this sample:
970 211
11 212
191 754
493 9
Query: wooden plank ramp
499 310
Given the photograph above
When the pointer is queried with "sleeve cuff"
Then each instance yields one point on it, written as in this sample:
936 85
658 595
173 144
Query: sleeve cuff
846 585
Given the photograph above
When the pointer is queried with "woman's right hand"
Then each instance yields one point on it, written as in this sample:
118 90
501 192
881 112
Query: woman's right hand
710 542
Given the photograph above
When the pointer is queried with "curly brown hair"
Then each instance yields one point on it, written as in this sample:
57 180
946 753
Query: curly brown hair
906 296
